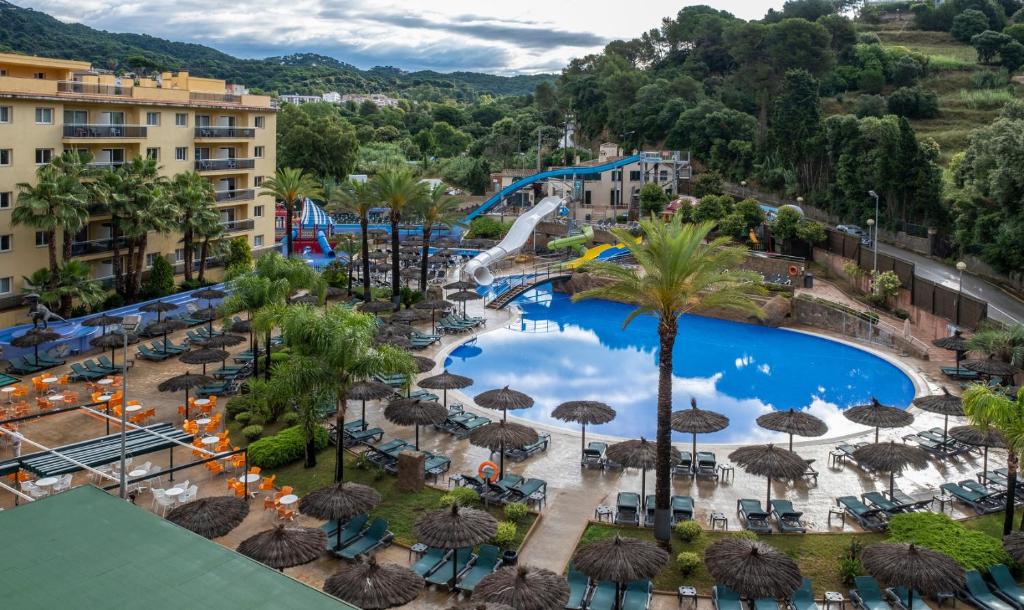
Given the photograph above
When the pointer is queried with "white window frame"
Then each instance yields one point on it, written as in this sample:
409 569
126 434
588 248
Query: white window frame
41 110
181 119
257 181
155 115
9 110
260 122
44 150
258 152
257 211
179 255
10 285
10 200
257 241
10 242
181 153
155 149
41 243
10 157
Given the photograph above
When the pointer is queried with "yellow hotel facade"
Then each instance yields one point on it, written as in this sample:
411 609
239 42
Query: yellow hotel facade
186 123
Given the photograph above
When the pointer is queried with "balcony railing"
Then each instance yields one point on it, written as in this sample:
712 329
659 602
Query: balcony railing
106 164
225 132
236 195
105 131
197 96
235 226
96 246
70 86
213 165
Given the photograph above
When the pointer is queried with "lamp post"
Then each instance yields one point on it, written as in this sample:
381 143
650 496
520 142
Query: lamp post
961 266
128 325
874 265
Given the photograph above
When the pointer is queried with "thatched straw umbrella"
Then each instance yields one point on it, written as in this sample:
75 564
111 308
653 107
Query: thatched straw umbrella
477 605
376 306
464 296
770 462
984 438
38 336
408 316
434 305
285 546
225 340
641 454
446 381
1014 545
877 416
620 560
368 390
305 299
498 435
112 340
944 404
415 412
793 422
103 321
423 364
333 292
954 343
584 412
913 567
211 517
377 255
459 285
752 568
503 399
524 588
164 328
990 367
455 528
698 421
373 586
204 356
158 307
186 381
339 502
891 457
210 294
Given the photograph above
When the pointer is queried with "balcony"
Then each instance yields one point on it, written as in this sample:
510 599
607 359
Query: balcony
96 246
217 165
198 96
70 86
237 226
225 132
105 131
106 164
235 195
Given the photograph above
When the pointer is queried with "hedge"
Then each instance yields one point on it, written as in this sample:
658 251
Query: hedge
285 447
971 549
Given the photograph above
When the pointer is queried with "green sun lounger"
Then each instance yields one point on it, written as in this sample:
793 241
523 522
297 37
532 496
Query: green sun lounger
442 576
763 603
627 509
978 593
430 561
604 596
981 503
349 532
593 455
754 517
107 364
875 499
487 560
787 517
953 373
725 598
867 595
1005 586
868 518
78 373
649 503
375 536
579 586
6 380
682 509
637 595
900 599
803 598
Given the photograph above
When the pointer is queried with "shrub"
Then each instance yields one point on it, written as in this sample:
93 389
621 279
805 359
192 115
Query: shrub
160 282
914 103
253 432
688 562
990 79
506 534
968 24
290 418
986 99
488 228
849 563
463 496
871 105
239 256
744 535
886 284
973 550
239 404
516 511
708 183
905 71
286 446
688 531
871 80
243 417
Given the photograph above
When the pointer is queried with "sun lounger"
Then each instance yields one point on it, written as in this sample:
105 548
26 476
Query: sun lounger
1005 586
579 586
6 380
875 499
637 595
465 428
369 435
593 455
954 373
972 485
868 518
149 354
386 454
487 560
682 509
349 532
78 373
528 487
809 471
454 564
787 517
604 596
435 464
105 362
627 509
763 603
803 598
685 466
22 366
867 595
725 598
521 453
981 503
374 537
900 599
706 463
977 592
908 504
649 503
754 517
430 561
95 367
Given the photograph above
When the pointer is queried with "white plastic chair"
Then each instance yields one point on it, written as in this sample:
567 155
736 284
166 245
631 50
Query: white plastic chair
63 483
32 489
156 494
163 501
190 494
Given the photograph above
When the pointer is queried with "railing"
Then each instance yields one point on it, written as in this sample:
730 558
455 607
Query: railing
96 246
197 96
106 164
542 271
70 86
105 131
234 226
235 195
213 165
225 132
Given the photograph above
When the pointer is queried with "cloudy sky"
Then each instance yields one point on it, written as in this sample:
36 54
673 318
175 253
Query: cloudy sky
518 36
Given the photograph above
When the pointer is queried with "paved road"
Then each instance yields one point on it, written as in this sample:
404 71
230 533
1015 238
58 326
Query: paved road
1001 305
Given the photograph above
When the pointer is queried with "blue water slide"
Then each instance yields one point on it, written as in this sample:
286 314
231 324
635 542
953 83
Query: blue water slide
561 172
325 246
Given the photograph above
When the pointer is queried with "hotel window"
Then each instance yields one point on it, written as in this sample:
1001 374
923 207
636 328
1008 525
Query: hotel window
664 175
257 211
634 175
5 285
616 175
257 181
41 239
260 122
153 153
257 241
39 75
5 243
258 152
76 117
152 118
181 153
586 198
5 200
179 255
5 114
5 156
43 155
44 116
615 197
3 71
181 119
150 258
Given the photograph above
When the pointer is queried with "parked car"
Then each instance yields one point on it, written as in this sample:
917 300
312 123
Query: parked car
865 238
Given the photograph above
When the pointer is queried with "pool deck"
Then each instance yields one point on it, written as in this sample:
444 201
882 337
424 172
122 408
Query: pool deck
573 493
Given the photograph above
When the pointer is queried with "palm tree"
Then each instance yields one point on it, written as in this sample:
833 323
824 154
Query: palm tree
72 283
55 204
195 201
1005 343
210 230
331 349
295 275
437 208
290 186
398 190
252 294
987 407
359 198
678 273
144 206
109 190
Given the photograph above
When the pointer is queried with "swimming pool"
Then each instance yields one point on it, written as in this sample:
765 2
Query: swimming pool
562 351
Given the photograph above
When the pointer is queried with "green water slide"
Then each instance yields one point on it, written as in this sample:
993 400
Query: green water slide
575 242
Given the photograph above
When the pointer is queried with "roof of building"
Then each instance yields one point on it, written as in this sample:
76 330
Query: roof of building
85 548
47 62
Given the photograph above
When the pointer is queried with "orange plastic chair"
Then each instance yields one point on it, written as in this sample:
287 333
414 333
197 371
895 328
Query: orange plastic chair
181 410
267 483
63 380
254 469
214 467
269 504
237 460
284 491
285 513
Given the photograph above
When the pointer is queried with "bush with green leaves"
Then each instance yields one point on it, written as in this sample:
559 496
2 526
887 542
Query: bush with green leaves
708 183
886 284
871 105
239 255
849 564
688 531
653 199
505 537
973 550
968 24
285 447
516 511
243 417
290 418
811 232
744 535
914 103
252 432
486 227
713 207
463 496
688 562
160 281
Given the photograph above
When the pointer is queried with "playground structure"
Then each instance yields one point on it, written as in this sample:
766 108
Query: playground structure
312 233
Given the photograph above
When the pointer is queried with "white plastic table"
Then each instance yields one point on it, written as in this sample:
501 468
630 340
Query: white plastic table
105 381
288 500
104 397
132 408
9 390
55 397
47 481
201 402
174 492
50 380
138 472
210 440
249 478
202 421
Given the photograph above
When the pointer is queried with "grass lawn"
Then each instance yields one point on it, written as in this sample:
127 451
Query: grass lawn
400 508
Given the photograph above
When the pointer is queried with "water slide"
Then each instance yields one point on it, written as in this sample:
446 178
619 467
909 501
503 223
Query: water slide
573 241
517 236
325 246
591 254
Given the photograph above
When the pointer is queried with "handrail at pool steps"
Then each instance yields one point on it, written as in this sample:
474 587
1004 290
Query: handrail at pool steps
519 283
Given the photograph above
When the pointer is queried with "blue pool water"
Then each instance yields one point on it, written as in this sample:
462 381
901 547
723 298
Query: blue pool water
563 351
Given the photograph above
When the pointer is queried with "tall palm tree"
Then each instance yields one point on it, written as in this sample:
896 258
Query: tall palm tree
253 293
72 283
110 191
195 202
437 208
290 186
1003 342
677 273
359 198
331 349
56 204
295 275
987 407
398 190
144 206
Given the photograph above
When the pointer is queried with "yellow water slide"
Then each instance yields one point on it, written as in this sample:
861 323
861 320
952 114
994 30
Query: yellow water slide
591 254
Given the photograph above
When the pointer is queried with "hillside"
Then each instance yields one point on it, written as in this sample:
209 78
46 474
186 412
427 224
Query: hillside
32 32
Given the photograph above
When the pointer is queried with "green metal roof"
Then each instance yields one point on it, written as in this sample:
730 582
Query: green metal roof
86 549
